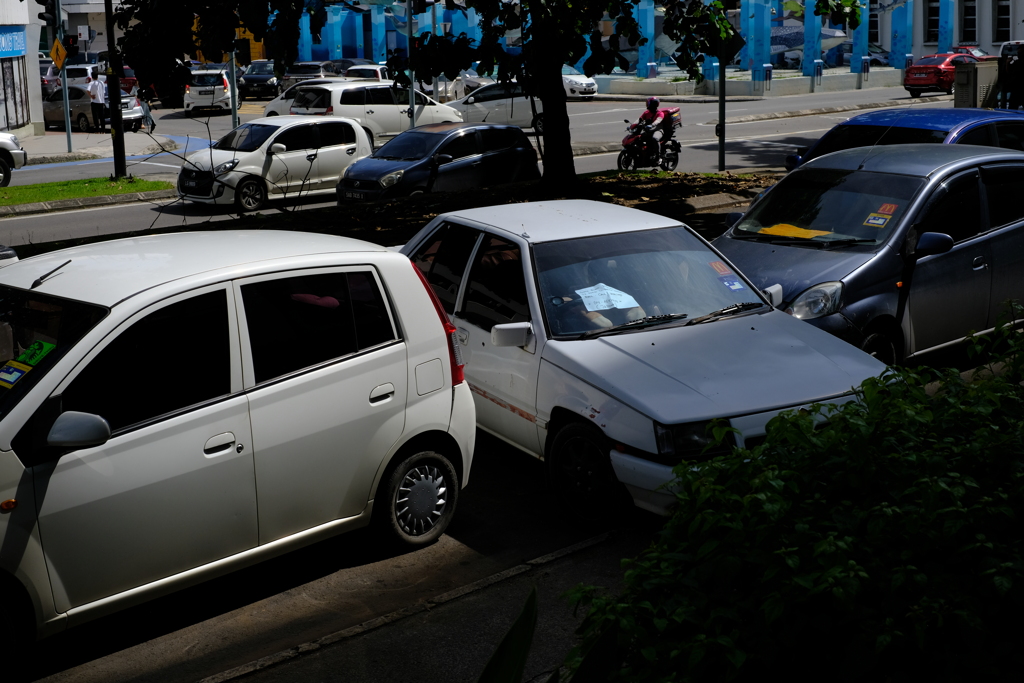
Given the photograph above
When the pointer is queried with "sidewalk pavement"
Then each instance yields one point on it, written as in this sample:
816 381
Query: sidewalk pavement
52 148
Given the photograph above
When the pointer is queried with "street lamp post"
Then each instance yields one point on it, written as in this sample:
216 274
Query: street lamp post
115 69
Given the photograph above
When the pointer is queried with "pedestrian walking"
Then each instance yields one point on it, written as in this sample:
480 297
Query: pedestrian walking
98 101
147 117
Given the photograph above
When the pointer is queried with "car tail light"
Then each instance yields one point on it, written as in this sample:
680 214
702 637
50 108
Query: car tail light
137 103
291 110
186 89
330 111
454 350
225 85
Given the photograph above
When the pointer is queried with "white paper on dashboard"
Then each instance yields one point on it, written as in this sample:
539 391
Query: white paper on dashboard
601 297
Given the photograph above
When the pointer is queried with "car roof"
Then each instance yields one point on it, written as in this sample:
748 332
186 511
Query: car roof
461 125
107 273
286 120
343 83
923 159
931 118
539 222
208 71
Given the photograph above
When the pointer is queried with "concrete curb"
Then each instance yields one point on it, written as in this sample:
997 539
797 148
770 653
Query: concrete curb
84 202
826 110
398 615
99 152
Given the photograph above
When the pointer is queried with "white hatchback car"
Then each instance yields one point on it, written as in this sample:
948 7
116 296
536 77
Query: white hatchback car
207 90
175 407
284 156
501 103
605 340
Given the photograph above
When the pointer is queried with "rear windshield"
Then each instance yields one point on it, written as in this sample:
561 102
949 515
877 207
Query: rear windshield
850 136
930 61
35 331
312 98
304 69
128 73
207 79
246 138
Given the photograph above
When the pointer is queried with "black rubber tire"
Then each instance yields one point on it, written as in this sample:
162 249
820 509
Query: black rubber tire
581 473
538 124
952 89
83 123
915 92
881 346
5 173
418 499
626 161
136 126
670 161
273 113
250 195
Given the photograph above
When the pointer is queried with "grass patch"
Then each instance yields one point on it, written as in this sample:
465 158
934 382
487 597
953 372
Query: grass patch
76 189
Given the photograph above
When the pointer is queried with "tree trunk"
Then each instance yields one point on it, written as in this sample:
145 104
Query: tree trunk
546 68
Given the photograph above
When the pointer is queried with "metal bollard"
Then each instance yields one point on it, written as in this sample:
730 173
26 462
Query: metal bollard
865 66
652 70
819 70
767 76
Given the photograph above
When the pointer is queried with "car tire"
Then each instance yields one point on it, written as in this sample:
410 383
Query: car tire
418 499
250 195
136 126
538 124
881 346
952 89
272 113
915 92
581 473
5 173
83 123
626 161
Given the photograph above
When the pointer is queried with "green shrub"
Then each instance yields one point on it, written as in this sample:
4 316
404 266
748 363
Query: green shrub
883 545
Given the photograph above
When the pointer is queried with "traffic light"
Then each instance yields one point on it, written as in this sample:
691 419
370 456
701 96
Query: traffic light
49 13
71 44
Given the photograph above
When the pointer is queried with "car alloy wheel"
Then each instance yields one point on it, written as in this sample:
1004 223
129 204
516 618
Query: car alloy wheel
83 123
538 124
581 473
419 498
881 347
251 195
5 173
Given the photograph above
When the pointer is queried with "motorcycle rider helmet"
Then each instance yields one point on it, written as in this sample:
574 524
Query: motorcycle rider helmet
653 103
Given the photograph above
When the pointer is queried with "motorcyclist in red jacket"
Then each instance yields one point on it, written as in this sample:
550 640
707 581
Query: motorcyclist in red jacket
651 120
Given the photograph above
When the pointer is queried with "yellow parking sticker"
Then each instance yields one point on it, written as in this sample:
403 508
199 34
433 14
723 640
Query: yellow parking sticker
787 230
877 220
12 372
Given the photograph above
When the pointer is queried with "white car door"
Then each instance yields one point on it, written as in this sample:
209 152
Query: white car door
174 487
295 170
382 113
327 380
338 149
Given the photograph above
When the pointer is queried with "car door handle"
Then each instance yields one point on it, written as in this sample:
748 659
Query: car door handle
219 444
310 157
382 393
463 335
979 263
350 152
369 111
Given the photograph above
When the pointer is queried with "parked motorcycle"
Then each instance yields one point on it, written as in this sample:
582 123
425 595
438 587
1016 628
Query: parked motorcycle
646 145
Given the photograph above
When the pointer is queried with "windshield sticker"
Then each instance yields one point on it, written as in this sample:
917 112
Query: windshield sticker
877 220
787 230
732 283
601 297
720 268
12 372
888 209
36 352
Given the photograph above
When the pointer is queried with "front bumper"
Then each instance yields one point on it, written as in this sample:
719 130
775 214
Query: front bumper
19 156
204 188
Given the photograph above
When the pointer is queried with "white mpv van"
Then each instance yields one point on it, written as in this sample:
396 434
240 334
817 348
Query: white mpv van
175 407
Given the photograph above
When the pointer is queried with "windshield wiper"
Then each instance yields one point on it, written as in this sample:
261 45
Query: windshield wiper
637 324
847 241
722 312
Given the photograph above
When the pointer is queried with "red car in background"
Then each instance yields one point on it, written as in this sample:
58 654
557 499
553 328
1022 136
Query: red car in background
973 50
934 72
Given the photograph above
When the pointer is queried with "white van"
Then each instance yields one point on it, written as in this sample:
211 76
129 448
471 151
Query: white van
381 110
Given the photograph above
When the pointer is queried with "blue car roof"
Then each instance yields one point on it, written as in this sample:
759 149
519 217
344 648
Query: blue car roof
930 118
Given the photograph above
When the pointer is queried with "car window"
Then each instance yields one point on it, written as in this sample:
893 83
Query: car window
353 96
402 97
1003 188
849 136
77 94
494 139
58 96
954 208
298 137
305 69
982 135
312 98
150 363
1011 135
379 96
246 138
207 80
496 290
930 61
298 322
443 258
498 91
336 133
462 146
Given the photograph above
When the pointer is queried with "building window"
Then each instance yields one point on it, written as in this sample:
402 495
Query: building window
1001 30
931 21
968 21
14 111
873 22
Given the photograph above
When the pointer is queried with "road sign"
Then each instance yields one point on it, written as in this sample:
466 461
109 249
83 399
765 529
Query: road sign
58 54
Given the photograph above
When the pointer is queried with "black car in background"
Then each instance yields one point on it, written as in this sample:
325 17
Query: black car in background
259 80
440 157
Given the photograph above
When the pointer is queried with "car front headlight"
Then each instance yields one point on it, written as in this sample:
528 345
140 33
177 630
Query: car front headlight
272 81
221 169
689 441
817 301
391 179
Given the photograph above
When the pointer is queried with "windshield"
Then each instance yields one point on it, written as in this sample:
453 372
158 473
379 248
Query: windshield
823 206
304 69
569 71
207 79
35 331
409 146
597 282
313 98
930 61
262 68
850 136
246 138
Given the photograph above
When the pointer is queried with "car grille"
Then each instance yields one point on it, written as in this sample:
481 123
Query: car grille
195 183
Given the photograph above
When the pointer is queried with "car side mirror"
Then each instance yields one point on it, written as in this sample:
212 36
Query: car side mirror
931 243
278 148
470 100
792 161
78 430
732 218
511 334
441 159
774 294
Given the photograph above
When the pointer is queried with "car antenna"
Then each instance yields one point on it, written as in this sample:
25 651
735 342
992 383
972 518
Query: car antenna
875 143
42 278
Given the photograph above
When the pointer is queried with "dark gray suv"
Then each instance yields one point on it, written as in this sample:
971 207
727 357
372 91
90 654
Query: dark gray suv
898 250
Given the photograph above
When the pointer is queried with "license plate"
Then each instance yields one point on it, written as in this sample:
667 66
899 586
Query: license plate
124 105
189 183
349 194
921 75
204 92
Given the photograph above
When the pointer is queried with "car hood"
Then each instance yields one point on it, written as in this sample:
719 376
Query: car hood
257 78
210 158
369 168
734 366
795 268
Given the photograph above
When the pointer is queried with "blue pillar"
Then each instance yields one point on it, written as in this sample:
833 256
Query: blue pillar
812 39
760 34
947 12
473 22
645 17
903 31
351 33
860 40
331 35
305 39
378 34
746 22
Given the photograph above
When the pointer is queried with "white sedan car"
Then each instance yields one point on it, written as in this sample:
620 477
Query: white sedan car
501 103
605 340
176 407
576 84
285 156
